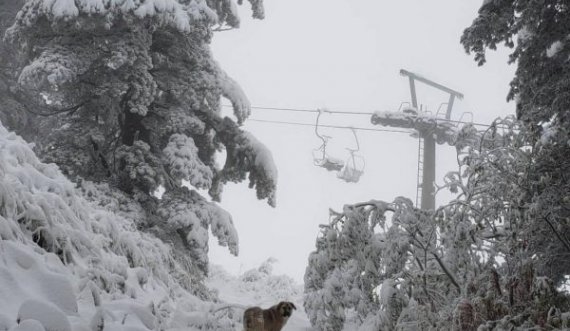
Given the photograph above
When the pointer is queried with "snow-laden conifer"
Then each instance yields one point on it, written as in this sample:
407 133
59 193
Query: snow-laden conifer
126 94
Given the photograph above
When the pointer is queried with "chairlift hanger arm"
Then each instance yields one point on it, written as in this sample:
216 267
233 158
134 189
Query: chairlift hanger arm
356 139
317 128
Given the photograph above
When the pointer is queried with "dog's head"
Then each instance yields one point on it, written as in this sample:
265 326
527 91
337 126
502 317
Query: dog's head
285 308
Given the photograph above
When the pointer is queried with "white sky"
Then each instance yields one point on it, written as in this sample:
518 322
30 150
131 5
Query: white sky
343 55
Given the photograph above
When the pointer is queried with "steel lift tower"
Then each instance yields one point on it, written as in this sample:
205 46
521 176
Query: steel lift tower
429 130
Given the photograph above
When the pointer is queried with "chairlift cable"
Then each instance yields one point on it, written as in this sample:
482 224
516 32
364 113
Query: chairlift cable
305 110
328 126
311 110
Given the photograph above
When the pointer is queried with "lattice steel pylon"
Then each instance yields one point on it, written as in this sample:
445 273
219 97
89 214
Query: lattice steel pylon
429 131
420 175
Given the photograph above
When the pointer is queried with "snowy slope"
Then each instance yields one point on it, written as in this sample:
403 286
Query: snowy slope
70 262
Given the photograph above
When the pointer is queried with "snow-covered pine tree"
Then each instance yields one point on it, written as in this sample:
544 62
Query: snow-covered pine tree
541 90
127 93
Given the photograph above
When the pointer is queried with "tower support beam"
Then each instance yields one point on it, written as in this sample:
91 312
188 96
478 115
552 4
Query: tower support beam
428 187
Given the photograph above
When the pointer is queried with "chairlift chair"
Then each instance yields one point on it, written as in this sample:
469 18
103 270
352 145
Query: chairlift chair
322 159
354 166
462 118
463 121
320 156
441 110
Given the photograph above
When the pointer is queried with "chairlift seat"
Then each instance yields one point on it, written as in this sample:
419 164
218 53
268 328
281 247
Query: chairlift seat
328 162
353 168
349 174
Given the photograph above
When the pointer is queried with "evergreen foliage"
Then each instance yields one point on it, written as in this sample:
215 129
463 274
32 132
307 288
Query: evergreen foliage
126 93
12 113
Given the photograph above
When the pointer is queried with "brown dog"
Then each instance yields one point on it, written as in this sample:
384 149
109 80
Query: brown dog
272 319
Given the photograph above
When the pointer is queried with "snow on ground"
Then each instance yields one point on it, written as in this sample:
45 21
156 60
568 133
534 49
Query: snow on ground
259 287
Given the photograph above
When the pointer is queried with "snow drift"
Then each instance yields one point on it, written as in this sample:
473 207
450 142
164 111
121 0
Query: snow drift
70 264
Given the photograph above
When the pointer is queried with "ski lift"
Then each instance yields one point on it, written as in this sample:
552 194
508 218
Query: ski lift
354 166
320 156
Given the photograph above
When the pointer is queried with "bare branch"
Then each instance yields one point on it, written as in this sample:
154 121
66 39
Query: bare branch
446 271
558 235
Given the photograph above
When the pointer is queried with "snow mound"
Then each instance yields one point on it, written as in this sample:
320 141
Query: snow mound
28 325
73 259
50 317
26 276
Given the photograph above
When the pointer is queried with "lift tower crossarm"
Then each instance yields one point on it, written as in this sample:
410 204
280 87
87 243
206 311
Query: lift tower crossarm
452 93
430 83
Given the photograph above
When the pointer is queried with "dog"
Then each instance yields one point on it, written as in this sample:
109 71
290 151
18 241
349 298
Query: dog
272 319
